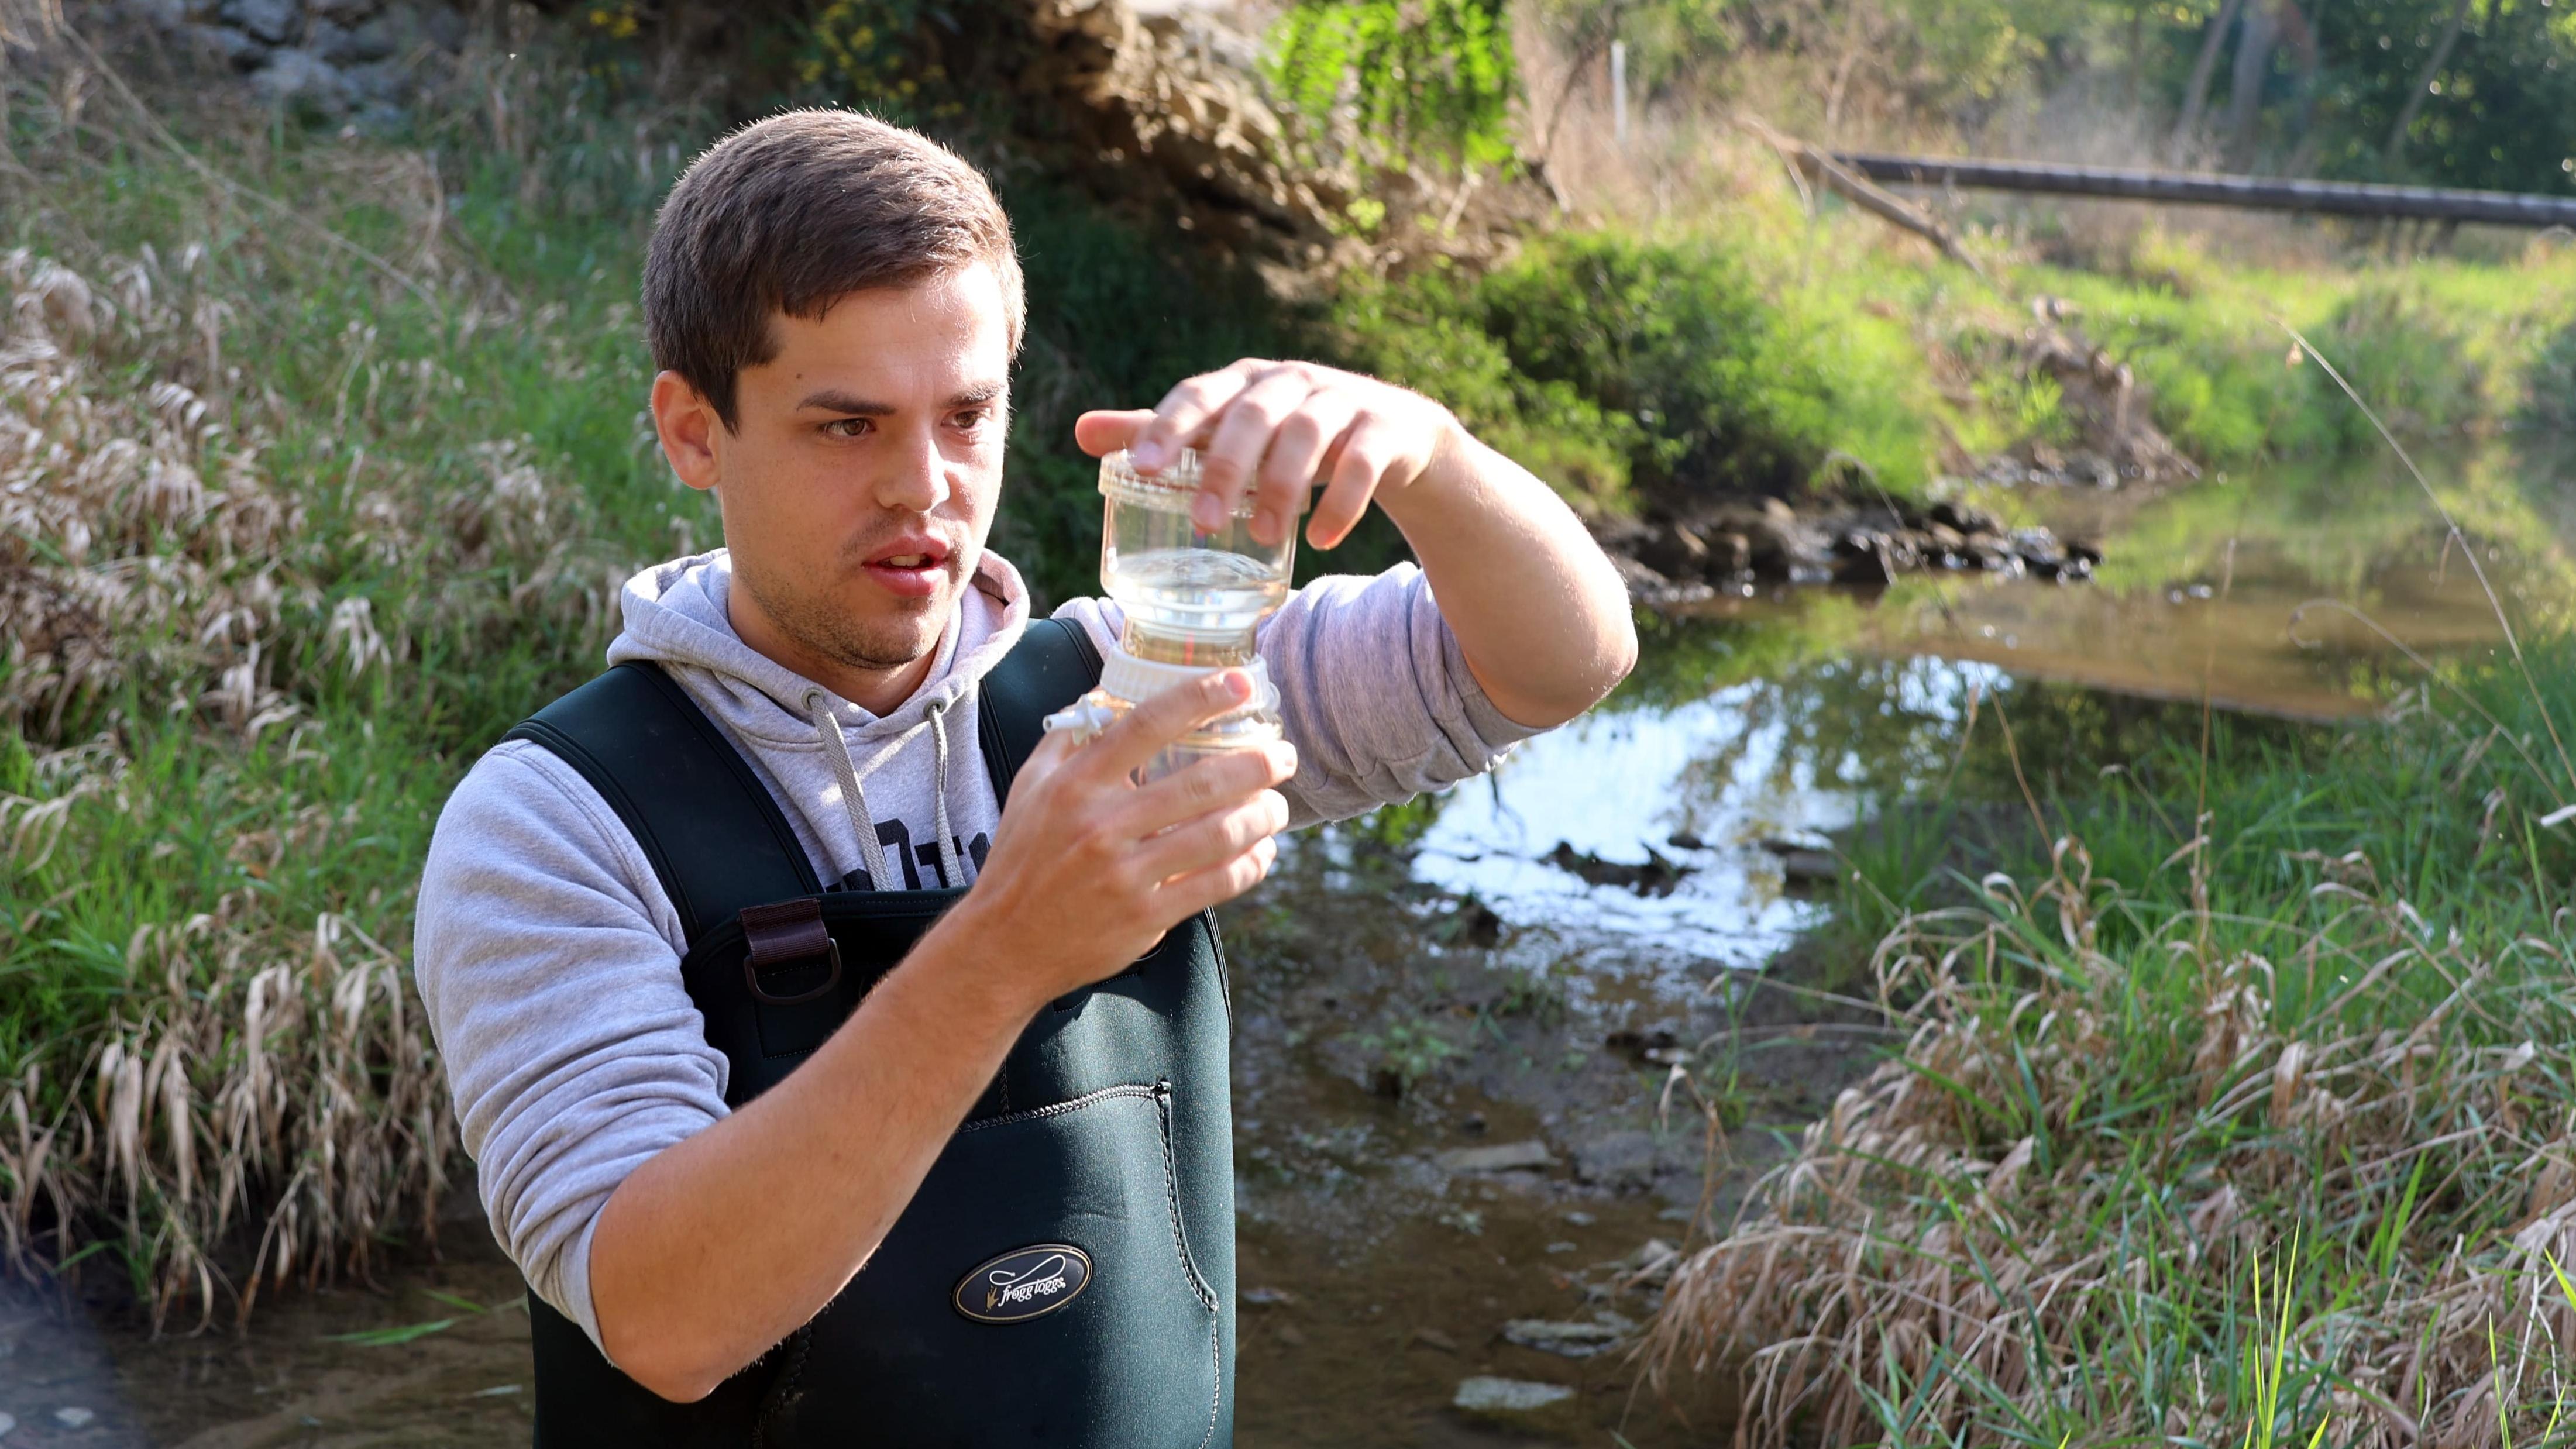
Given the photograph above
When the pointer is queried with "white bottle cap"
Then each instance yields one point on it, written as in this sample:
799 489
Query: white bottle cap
1137 680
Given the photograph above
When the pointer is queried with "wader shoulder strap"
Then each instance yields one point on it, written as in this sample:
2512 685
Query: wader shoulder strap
716 839
1053 665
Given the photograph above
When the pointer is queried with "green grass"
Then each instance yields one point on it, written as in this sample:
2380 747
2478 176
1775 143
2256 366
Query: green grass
2447 347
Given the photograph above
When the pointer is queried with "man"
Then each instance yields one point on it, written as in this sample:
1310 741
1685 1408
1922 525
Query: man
834 305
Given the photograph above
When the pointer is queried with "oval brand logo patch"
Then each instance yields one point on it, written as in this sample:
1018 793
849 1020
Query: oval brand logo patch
1024 1283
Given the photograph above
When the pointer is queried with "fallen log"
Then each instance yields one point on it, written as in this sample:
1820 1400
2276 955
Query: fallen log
2334 198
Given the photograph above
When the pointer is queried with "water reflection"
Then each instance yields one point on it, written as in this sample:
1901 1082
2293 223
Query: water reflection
1699 785
2293 596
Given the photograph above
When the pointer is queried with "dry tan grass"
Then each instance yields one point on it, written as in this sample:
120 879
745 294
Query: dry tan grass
1911 1250
245 1094
255 1071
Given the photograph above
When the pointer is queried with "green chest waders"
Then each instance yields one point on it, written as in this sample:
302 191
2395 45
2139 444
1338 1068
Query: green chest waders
1065 1275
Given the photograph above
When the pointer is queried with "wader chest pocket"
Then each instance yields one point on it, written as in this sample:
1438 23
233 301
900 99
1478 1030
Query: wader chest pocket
1128 1362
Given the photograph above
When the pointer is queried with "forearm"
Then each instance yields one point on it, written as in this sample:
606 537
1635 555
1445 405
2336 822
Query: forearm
724 1244
1540 614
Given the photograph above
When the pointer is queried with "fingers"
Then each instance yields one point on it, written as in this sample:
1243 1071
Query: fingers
1125 747
1242 437
1186 409
1370 450
1215 783
1213 838
1184 896
1103 432
1298 451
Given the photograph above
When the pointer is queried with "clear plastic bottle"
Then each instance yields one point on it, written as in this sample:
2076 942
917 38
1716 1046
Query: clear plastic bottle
1126 681
1192 600
1191 596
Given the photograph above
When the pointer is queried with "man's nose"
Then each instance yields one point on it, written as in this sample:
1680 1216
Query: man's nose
919 481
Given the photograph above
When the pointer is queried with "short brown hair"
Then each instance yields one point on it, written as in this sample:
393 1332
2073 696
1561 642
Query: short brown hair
793 213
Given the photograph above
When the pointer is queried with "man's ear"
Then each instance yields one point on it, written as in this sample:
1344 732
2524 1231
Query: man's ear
688 426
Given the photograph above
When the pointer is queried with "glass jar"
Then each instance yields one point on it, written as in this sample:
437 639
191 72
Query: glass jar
1191 596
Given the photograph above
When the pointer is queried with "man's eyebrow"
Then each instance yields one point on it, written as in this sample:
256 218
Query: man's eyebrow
835 401
831 400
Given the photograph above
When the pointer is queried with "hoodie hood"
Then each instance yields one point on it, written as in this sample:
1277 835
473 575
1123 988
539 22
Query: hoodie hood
675 615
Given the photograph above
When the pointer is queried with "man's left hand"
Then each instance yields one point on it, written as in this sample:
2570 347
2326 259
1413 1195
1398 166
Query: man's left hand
1275 429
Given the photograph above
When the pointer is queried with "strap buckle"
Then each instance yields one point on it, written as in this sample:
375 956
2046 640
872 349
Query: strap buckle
785 934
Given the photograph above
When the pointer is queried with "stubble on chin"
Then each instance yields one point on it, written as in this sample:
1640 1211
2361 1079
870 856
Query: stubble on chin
821 626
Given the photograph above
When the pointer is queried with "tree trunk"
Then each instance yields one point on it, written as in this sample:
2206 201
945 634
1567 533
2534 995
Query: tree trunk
1592 47
2424 83
2307 39
2196 95
2245 87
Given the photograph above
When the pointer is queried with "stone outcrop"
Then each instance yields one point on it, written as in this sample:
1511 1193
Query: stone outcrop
1164 98
335 58
1173 91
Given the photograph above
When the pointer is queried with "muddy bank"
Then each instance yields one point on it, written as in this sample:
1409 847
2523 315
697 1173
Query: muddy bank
1469 1151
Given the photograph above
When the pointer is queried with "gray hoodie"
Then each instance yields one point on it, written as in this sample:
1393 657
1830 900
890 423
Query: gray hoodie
549 956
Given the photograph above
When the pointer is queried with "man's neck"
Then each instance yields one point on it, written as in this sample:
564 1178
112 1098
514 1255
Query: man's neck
878 691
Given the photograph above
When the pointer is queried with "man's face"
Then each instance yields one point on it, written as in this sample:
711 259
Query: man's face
859 480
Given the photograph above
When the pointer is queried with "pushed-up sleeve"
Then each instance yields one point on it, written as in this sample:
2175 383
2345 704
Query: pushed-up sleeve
1377 696
548 956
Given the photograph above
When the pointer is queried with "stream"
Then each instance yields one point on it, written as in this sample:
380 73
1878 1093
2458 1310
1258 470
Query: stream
1458 1127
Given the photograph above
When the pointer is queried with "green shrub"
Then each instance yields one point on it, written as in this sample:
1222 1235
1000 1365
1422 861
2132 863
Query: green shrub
1427 332
2406 356
1425 83
2550 392
1623 368
1677 335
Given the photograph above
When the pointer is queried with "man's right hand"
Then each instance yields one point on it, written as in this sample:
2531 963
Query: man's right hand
1088 869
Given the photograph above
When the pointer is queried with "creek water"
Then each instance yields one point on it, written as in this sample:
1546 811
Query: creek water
1458 1123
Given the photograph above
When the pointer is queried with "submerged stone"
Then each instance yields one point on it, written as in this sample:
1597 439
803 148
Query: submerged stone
1484 1394
1572 1340
1501 1157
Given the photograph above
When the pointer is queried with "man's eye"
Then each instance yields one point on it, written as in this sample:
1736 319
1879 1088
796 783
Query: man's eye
973 420
849 427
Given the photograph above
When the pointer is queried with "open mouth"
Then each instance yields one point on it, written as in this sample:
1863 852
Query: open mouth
910 568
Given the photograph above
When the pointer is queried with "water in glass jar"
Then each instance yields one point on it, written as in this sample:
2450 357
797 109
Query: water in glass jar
1200 591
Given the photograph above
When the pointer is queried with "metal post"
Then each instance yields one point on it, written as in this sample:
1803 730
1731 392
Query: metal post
1619 92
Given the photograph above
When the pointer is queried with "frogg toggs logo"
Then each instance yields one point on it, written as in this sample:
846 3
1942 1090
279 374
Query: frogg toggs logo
1024 1283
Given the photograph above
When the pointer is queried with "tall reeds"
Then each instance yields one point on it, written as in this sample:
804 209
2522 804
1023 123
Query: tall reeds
300 502
2046 1215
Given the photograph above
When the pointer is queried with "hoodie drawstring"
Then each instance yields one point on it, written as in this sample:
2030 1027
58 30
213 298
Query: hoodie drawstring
854 799
939 791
